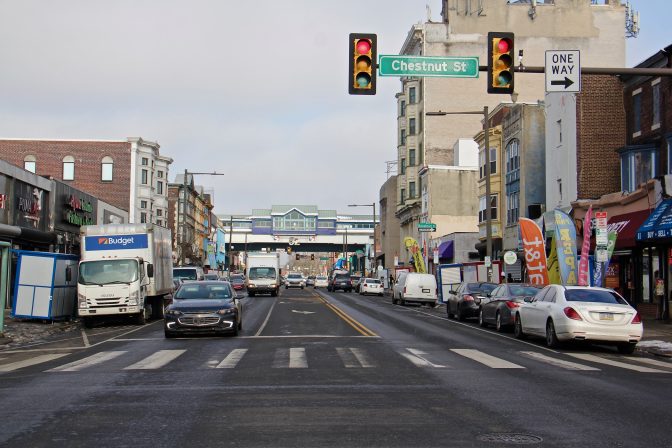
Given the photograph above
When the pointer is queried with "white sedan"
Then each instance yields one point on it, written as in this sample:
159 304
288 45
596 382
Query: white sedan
321 281
371 286
579 313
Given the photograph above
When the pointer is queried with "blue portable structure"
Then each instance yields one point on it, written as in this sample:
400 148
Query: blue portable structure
41 287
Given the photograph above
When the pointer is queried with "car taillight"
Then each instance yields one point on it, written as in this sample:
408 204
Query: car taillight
511 304
467 298
636 319
571 313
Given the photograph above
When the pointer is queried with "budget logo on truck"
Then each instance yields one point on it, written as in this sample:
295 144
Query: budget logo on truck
116 242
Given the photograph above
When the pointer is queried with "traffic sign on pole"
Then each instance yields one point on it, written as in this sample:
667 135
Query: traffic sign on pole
428 66
563 71
426 227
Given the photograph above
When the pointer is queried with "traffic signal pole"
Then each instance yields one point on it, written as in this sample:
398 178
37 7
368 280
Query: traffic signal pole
596 70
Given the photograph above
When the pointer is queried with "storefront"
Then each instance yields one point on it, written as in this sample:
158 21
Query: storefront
72 209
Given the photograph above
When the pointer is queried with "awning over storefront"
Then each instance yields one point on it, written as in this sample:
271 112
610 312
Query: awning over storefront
626 226
446 249
658 225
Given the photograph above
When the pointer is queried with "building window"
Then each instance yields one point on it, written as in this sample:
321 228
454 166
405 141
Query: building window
411 95
493 208
68 168
512 208
655 92
143 177
266 223
403 166
403 195
30 163
402 108
493 161
637 167
159 212
159 174
403 137
512 157
106 169
325 224
411 157
145 161
159 187
411 126
411 190
159 222
637 112
421 154
559 126
143 217
294 221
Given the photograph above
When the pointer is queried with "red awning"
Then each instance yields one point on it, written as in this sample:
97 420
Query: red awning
626 226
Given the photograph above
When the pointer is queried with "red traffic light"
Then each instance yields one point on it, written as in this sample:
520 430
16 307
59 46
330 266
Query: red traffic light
362 64
500 62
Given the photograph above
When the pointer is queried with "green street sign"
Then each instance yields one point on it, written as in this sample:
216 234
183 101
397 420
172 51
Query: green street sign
428 66
426 227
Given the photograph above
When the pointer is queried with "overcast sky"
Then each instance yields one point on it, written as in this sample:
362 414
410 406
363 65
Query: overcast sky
254 89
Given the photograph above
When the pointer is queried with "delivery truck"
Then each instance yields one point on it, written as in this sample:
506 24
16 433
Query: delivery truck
124 269
262 273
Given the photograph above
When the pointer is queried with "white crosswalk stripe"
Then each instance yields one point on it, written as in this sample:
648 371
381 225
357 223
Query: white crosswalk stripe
488 360
89 361
609 362
417 357
292 358
156 360
354 357
653 362
559 362
232 359
30 362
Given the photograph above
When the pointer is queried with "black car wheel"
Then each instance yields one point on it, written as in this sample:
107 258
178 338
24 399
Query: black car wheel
551 337
498 322
460 314
518 328
481 321
449 312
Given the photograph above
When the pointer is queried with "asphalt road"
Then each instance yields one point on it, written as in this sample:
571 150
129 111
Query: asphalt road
329 370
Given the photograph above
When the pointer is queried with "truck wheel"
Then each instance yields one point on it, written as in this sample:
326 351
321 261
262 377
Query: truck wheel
87 322
250 294
141 318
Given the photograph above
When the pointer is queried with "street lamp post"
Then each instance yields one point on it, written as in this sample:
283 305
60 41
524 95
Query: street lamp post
373 205
183 230
488 209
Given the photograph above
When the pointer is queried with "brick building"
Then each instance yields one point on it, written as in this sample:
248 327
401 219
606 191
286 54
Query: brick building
128 174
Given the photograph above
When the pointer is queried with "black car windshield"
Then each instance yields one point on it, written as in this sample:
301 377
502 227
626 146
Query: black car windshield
259 272
199 291
342 277
184 273
372 280
294 276
520 290
210 277
594 296
236 277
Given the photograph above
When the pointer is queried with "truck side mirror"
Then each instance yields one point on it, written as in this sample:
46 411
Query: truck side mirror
68 274
150 270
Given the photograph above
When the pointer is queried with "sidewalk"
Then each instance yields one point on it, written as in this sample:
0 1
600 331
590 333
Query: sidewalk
657 339
23 331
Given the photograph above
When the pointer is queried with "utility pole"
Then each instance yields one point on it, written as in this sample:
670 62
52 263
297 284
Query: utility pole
230 246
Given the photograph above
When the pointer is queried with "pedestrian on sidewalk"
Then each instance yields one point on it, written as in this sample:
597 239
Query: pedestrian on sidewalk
660 295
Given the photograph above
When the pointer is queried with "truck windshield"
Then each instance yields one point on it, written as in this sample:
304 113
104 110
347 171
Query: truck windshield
258 273
102 272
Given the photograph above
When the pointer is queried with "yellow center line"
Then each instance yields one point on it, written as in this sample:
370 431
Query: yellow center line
352 322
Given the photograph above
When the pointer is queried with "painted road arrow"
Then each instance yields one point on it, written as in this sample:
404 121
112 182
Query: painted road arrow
303 312
559 82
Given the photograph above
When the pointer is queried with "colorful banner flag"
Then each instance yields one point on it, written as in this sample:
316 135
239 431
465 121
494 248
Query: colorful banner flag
565 235
535 251
585 248
601 267
553 271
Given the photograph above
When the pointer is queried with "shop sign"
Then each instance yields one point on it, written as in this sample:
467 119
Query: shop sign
30 206
78 212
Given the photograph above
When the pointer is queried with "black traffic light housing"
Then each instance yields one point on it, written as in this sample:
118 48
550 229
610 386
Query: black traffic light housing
500 63
312 257
362 56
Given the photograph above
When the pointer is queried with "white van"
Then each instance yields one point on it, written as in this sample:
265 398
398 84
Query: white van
188 273
414 287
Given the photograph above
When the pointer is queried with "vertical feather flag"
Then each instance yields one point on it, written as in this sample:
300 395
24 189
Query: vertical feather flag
585 248
553 271
565 234
535 252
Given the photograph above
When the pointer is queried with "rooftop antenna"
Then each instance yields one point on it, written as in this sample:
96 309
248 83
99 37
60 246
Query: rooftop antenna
391 167
631 21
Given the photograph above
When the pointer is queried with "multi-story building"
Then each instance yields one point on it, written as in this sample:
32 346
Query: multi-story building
597 30
389 223
129 174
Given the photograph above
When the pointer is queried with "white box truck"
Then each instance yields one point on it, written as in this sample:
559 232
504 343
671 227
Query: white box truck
124 269
262 273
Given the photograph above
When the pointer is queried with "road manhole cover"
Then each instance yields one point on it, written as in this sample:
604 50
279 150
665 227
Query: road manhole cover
510 438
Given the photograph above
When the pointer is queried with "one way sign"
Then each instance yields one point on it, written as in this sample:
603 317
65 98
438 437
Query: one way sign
563 71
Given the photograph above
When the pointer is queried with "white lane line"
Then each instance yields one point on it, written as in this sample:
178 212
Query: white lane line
622 365
156 360
354 357
232 359
268 316
653 362
30 362
85 339
363 359
89 361
297 358
417 357
485 359
558 362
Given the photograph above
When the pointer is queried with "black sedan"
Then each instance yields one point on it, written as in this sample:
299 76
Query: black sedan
498 311
465 301
203 307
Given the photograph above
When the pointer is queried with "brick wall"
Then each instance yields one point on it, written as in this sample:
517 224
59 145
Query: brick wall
173 192
88 156
600 132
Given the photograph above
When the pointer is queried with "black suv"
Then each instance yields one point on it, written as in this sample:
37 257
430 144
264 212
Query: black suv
340 281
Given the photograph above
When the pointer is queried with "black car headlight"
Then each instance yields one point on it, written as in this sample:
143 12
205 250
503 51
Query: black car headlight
226 311
173 313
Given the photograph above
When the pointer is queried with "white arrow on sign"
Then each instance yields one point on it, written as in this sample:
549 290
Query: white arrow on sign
303 312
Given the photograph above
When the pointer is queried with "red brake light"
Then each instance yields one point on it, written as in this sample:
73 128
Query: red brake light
511 304
636 319
467 298
571 313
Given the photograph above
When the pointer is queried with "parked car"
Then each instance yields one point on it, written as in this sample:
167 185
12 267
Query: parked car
310 281
505 298
295 280
210 276
579 313
355 280
465 301
188 273
340 280
371 286
414 287
238 281
203 307
321 281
